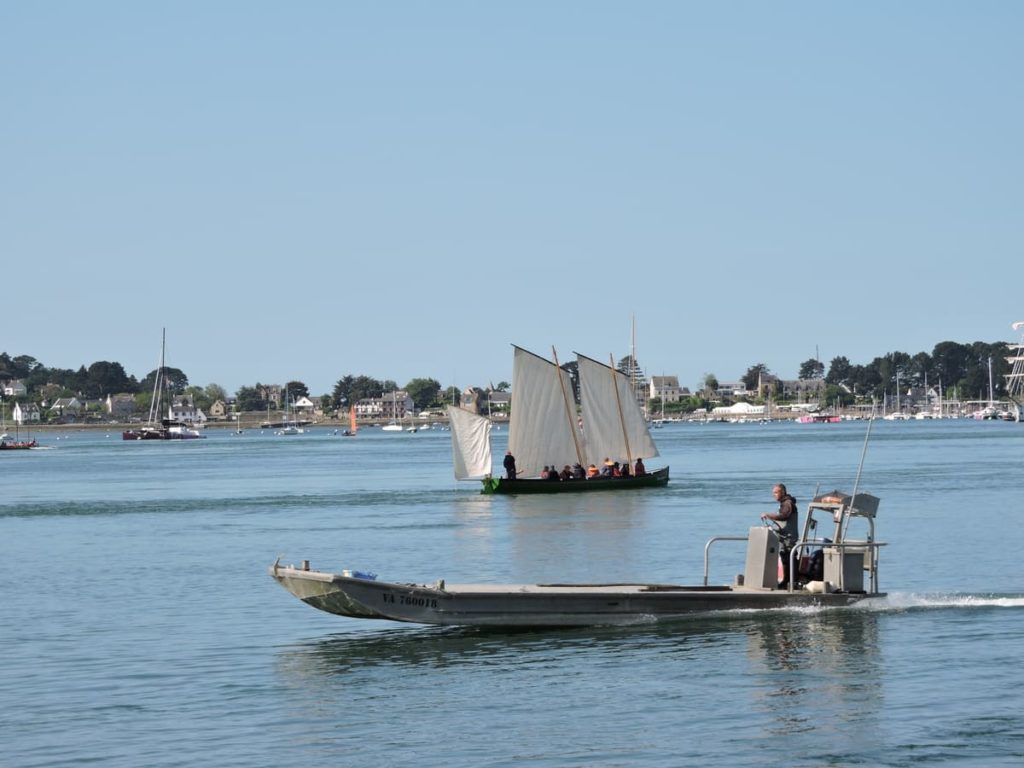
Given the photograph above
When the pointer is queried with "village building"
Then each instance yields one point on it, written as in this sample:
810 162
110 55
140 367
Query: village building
666 389
14 388
66 408
183 409
120 406
26 413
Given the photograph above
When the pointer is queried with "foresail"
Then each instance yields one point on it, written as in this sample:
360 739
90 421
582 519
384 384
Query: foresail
603 392
471 444
542 426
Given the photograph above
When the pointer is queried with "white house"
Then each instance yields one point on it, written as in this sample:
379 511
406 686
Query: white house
25 412
184 410
388 406
304 405
15 388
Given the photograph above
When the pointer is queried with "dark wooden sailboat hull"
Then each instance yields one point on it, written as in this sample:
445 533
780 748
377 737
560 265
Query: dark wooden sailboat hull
658 477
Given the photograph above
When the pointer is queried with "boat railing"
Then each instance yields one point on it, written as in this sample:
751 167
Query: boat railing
707 548
869 548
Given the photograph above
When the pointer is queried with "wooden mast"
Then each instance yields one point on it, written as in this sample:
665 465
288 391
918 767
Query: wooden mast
618 403
568 411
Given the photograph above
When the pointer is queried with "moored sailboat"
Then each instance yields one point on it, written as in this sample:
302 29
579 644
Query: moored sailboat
545 430
158 428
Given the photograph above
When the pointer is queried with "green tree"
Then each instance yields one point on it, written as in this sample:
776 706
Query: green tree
423 392
709 384
175 381
834 393
199 397
452 395
838 371
753 375
352 389
811 369
296 389
503 386
215 392
950 362
249 399
104 378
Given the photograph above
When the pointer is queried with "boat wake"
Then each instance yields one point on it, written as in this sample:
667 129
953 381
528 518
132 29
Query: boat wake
904 601
894 602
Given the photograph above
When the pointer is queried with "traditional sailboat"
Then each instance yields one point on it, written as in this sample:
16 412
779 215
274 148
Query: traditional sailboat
545 430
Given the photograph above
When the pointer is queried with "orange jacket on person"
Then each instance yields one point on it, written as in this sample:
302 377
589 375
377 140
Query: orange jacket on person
592 471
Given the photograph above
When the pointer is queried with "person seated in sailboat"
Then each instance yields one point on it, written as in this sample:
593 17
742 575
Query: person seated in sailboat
592 472
624 469
565 474
578 472
608 469
544 472
639 469
553 473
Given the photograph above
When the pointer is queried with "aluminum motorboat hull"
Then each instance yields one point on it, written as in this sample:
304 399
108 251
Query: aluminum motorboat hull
533 605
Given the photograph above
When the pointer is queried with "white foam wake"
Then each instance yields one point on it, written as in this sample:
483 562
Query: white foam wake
898 601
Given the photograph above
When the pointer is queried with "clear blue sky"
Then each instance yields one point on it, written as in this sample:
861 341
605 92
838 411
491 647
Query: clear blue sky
306 190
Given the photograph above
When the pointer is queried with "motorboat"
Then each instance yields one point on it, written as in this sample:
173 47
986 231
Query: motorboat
831 572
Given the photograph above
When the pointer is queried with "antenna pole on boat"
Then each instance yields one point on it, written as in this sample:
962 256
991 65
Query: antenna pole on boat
856 481
618 404
568 410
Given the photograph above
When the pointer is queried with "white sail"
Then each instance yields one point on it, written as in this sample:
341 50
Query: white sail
471 443
543 422
612 420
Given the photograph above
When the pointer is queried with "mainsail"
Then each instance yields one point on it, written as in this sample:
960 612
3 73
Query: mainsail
471 443
542 429
612 420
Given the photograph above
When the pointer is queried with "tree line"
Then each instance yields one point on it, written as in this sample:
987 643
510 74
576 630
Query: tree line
963 368
103 378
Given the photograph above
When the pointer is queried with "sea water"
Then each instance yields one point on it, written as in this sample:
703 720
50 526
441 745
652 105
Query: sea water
139 626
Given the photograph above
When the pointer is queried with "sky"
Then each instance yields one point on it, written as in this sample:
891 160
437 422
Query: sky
301 191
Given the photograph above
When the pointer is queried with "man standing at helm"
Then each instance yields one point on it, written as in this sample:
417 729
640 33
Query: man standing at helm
787 522
510 465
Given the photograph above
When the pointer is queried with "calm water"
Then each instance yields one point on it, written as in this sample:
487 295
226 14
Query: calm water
139 626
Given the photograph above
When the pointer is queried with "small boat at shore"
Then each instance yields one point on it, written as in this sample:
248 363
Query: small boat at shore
819 418
17 445
827 572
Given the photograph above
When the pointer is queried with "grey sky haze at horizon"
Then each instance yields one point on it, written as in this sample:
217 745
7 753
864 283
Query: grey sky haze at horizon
303 193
